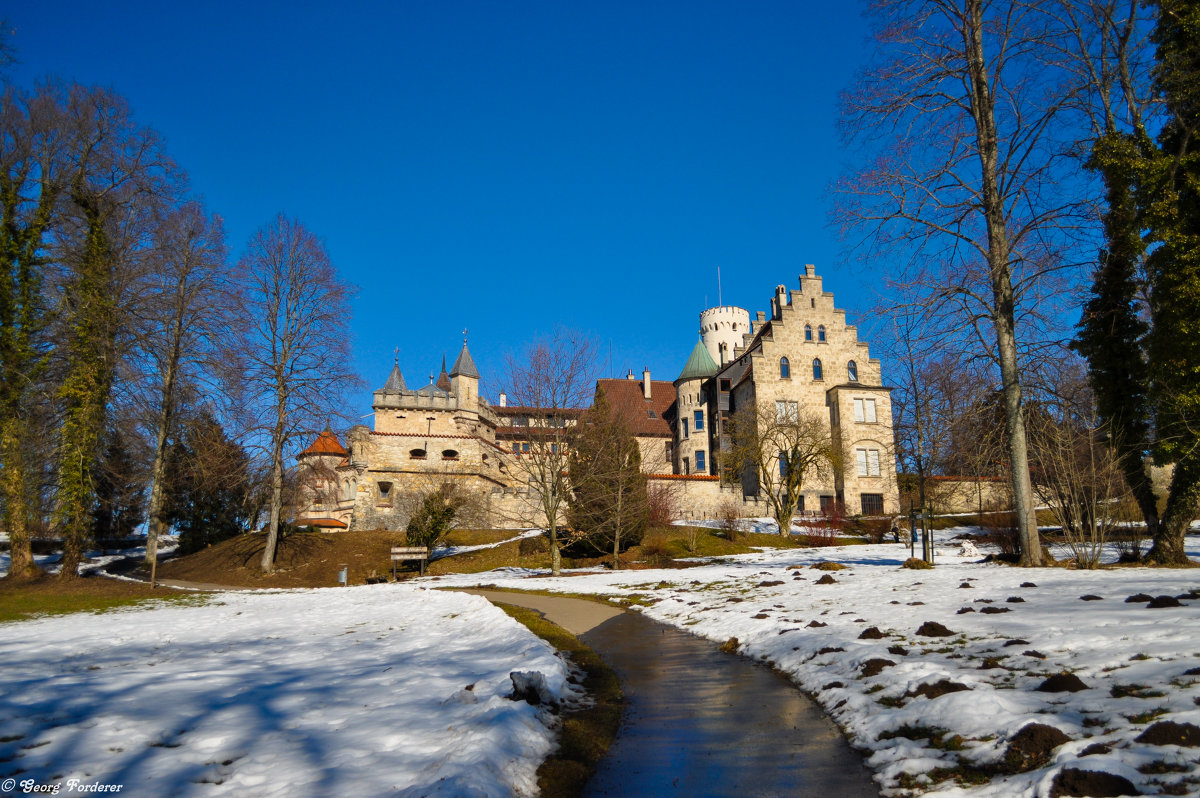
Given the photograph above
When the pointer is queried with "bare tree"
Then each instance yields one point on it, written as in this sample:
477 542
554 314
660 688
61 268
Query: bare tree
117 179
965 120
610 504
1078 476
185 314
296 347
780 451
555 378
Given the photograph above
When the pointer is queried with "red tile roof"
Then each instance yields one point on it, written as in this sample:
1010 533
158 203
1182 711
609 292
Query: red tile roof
326 444
690 477
325 523
626 397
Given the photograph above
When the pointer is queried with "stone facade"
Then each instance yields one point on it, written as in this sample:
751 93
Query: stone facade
802 358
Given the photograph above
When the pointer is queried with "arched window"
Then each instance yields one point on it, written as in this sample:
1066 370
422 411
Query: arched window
852 371
785 369
807 332
817 368
347 494
821 333
449 454
417 454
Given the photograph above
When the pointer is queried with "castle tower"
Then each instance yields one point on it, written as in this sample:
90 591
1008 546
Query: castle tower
721 330
693 386
464 379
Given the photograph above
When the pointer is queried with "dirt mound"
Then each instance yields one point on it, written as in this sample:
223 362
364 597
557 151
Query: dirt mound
934 629
1159 602
1167 732
1062 683
302 559
1031 747
826 580
871 633
937 689
1091 597
873 667
1093 783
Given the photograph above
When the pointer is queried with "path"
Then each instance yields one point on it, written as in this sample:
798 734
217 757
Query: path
699 722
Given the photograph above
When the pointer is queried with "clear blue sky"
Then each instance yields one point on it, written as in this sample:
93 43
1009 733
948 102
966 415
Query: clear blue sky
499 166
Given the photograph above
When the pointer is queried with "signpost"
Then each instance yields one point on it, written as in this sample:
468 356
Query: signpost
399 553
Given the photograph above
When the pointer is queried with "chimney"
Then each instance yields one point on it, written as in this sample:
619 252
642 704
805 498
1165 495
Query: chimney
810 270
503 399
630 376
646 383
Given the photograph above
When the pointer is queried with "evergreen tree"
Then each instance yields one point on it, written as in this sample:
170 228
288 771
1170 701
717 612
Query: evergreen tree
120 492
609 506
208 486
1170 203
1146 376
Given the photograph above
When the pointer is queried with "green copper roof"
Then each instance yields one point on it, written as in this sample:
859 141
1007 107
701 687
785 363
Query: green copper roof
699 365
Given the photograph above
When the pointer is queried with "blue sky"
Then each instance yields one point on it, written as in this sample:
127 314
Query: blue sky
499 166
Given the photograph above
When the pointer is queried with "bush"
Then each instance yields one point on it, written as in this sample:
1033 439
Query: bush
433 518
662 504
729 514
916 563
1000 530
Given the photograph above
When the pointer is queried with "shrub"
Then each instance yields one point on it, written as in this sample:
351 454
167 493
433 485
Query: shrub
729 514
662 504
916 563
433 518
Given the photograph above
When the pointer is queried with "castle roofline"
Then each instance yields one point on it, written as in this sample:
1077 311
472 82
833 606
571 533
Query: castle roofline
700 364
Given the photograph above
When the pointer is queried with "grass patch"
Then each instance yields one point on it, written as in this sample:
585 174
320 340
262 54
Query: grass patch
478 537
48 596
586 733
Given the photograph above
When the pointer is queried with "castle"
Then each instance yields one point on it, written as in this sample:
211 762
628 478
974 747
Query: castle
801 359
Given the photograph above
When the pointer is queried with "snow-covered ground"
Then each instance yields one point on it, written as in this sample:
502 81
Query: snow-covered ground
451 551
386 689
1011 629
94 560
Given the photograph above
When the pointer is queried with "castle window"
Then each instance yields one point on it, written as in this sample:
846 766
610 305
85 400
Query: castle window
868 462
821 334
817 369
699 419
683 421
785 369
864 411
385 493
807 332
852 371
651 414
516 446
725 385
524 447
699 462
872 503
687 466
783 471
449 454
417 454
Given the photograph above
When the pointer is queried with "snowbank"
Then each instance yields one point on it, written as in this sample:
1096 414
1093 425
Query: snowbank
1011 629
384 689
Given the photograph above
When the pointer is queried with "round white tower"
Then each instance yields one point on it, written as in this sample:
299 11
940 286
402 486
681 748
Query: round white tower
721 329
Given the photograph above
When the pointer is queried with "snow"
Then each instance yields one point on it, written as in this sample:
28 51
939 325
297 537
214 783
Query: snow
451 551
388 689
95 560
1113 646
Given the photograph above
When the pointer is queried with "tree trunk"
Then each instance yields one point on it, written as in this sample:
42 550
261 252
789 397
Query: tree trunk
268 558
13 487
1183 505
1004 318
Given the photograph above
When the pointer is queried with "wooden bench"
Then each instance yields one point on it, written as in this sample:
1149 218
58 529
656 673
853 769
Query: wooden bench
401 553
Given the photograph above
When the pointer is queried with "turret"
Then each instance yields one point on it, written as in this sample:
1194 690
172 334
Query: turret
692 388
464 378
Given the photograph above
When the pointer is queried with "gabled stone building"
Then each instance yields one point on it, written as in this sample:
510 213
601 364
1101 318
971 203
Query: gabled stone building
801 357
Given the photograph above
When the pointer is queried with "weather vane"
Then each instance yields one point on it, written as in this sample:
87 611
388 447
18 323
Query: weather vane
464 336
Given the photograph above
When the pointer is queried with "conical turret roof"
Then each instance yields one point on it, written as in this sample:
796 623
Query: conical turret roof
325 444
700 365
395 381
464 366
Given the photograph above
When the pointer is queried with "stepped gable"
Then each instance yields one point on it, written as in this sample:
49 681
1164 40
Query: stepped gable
464 366
326 444
699 366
